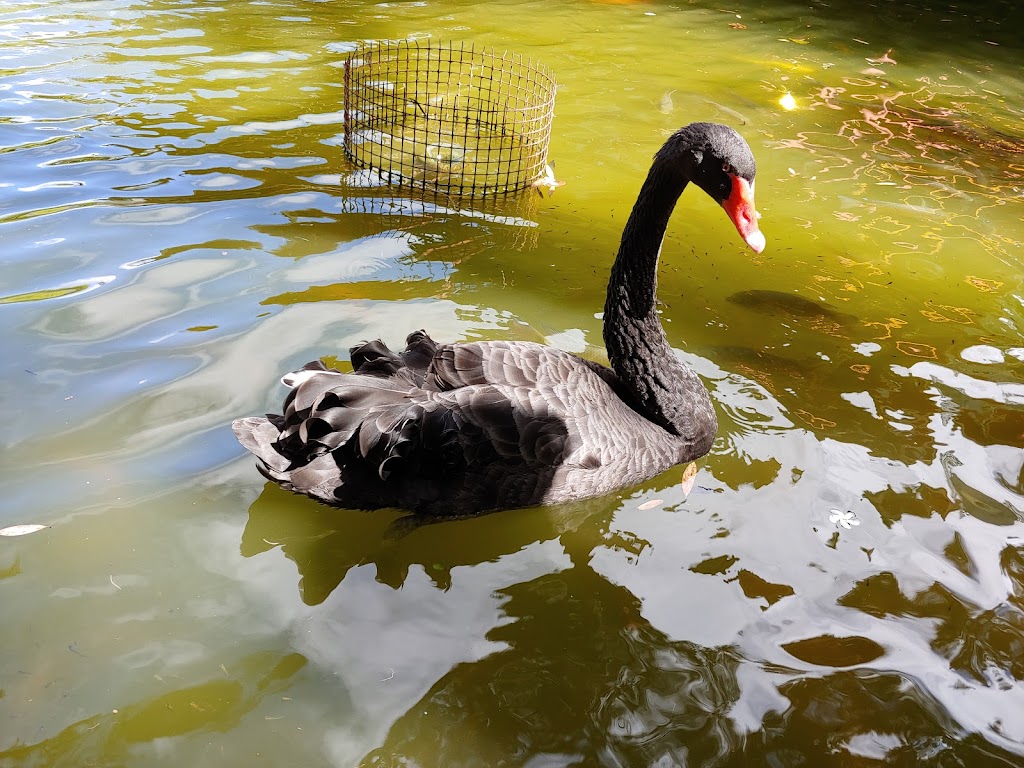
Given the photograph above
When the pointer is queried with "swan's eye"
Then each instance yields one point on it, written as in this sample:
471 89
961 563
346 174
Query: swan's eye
727 168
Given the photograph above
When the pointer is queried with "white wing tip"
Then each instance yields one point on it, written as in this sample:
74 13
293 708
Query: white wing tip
295 378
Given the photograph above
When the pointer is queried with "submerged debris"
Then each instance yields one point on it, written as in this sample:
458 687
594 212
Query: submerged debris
547 181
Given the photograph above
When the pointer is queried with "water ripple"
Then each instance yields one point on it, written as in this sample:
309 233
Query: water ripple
180 226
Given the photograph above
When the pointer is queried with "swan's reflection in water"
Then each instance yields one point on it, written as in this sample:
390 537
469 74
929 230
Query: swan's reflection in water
587 681
326 543
576 673
584 680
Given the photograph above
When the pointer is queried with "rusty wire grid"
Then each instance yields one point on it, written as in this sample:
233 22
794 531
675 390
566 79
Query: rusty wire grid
448 118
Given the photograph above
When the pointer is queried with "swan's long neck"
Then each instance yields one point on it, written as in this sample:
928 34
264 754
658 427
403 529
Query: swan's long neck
665 391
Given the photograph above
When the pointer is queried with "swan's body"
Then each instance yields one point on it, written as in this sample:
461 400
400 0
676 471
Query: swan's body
462 428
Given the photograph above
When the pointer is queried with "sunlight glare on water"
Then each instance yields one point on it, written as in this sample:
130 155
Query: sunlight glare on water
180 228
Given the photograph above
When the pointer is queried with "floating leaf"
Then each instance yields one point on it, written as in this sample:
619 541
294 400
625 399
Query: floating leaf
21 530
58 292
651 504
689 478
982 284
815 421
52 293
885 58
916 349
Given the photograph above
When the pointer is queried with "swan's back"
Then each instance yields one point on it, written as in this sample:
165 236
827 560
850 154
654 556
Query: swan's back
456 429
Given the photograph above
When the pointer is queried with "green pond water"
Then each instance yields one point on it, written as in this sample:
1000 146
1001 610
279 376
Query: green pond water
179 227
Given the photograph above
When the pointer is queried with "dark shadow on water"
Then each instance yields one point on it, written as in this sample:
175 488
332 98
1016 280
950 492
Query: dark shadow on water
585 680
932 24
326 542
793 307
982 643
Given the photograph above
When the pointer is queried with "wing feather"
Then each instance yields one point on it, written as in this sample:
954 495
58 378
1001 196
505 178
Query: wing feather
488 427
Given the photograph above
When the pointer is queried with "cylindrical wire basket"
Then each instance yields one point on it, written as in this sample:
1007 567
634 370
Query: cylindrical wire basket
449 118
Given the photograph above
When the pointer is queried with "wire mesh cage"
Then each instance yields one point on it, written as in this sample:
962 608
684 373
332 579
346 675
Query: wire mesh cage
449 118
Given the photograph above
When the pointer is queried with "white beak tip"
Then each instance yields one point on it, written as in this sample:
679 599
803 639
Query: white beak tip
756 241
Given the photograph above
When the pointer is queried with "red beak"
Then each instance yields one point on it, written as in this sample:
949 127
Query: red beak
740 208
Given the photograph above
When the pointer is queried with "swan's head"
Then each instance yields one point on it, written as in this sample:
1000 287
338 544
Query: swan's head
718 160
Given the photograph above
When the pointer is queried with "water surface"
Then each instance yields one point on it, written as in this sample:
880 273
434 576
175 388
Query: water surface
180 226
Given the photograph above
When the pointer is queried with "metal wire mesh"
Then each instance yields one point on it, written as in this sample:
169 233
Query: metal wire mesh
448 117
509 220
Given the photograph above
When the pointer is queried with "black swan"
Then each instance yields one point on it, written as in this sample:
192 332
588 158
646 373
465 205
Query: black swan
455 429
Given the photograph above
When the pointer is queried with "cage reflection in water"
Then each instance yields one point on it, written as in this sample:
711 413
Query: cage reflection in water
449 118
508 221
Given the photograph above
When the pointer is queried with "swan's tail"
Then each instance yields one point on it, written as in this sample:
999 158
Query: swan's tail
260 436
342 435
